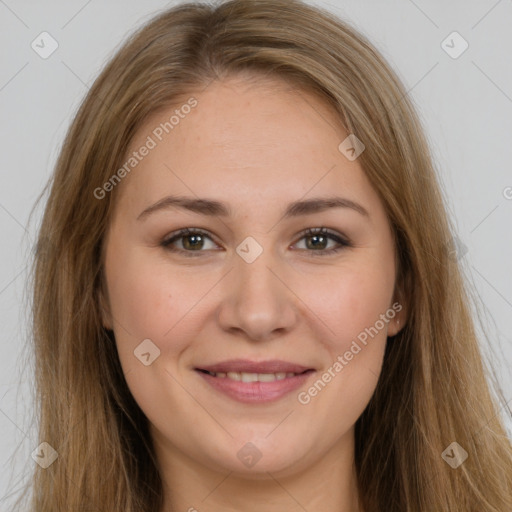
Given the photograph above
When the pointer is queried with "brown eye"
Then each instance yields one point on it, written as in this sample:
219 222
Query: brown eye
191 240
195 240
317 240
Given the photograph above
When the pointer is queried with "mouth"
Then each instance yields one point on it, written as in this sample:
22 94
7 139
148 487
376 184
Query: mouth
253 377
255 382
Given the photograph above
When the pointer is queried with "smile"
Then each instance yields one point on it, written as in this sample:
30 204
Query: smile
262 385
253 377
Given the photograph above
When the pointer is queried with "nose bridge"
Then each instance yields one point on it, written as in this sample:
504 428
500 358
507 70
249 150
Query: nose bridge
252 267
256 301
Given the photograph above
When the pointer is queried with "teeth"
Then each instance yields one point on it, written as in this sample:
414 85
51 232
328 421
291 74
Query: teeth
249 377
253 377
266 377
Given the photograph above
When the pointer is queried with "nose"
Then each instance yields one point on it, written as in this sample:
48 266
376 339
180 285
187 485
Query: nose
257 299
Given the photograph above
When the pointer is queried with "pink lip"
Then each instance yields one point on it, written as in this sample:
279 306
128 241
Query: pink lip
256 392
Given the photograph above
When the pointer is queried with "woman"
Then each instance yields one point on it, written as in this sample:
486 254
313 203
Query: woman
197 346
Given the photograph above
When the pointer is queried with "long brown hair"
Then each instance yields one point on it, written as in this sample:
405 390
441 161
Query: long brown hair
434 387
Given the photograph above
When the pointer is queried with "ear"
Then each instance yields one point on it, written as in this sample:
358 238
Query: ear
399 305
396 324
104 304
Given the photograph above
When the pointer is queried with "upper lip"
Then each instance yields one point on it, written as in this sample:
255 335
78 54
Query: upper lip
247 366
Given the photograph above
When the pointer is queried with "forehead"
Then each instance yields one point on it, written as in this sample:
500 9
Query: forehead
246 140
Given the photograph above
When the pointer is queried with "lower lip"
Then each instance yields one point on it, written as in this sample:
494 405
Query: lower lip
256 392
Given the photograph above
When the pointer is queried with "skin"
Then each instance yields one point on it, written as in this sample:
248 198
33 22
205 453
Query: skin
256 145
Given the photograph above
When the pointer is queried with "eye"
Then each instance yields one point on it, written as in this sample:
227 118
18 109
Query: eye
192 240
318 241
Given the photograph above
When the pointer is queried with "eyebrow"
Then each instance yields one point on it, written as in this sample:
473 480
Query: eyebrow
212 207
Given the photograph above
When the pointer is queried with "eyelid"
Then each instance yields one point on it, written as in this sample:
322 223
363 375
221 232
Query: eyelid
325 231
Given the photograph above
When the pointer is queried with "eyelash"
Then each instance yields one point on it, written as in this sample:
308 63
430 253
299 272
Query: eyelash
343 243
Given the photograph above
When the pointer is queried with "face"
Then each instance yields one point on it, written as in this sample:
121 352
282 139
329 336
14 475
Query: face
291 325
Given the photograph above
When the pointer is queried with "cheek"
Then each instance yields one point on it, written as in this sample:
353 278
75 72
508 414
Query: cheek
353 306
152 299
140 299
146 300
352 300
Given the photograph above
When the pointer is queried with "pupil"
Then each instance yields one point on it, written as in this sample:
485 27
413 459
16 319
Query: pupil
316 238
196 243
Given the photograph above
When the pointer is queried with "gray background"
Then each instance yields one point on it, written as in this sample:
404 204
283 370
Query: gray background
465 105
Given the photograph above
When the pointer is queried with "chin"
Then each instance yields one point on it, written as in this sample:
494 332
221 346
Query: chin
255 459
